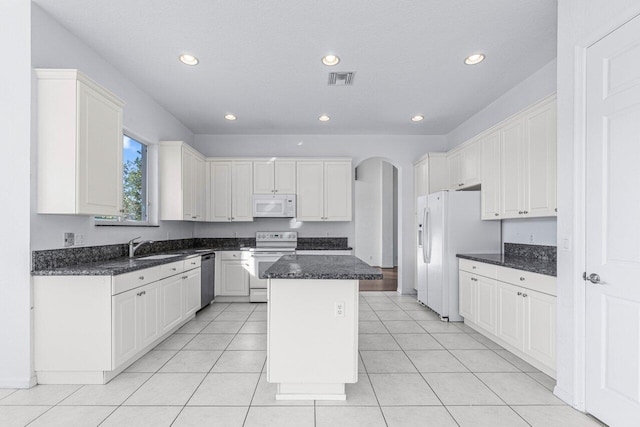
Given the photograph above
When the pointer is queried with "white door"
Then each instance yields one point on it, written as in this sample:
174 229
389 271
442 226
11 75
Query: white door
285 177
125 325
470 164
149 306
263 178
337 191
510 314
235 278
421 178
242 191
219 192
486 291
454 164
199 190
310 184
612 227
191 291
188 178
468 288
540 326
490 168
512 170
171 298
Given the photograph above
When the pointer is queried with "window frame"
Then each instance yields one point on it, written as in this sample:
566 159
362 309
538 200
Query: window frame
120 220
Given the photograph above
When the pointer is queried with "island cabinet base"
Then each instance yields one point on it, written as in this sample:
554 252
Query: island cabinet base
312 338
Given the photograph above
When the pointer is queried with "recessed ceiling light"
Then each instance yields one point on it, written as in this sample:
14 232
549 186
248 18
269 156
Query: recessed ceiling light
300 143
417 118
474 59
324 118
187 59
230 117
330 60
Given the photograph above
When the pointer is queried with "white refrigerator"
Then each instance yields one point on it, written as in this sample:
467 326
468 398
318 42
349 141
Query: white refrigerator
448 224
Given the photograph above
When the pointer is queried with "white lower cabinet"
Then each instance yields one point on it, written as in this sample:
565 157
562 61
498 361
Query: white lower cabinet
232 274
517 315
90 328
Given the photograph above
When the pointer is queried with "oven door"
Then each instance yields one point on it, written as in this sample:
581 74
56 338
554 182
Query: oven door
260 262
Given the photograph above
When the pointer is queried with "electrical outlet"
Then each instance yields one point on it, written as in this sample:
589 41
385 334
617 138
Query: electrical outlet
69 239
339 309
531 239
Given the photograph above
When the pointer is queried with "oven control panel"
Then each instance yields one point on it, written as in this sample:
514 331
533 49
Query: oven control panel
276 236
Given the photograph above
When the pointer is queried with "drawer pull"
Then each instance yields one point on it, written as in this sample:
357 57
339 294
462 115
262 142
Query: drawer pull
522 279
174 269
141 277
524 295
141 293
474 267
519 293
193 263
184 277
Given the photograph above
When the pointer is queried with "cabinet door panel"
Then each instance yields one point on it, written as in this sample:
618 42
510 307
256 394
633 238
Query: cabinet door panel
510 315
337 190
263 177
487 296
285 177
99 148
171 298
149 307
470 166
234 278
242 191
512 170
540 327
421 178
467 296
310 184
454 164
490 191
199 190
540 126
125 325
188 163
219 192
191 292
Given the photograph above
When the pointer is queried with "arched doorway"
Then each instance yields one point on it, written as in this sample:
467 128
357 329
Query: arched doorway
376 221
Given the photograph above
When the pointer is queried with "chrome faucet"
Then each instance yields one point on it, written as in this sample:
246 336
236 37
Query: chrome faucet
134 245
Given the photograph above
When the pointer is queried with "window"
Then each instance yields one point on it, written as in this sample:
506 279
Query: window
134 185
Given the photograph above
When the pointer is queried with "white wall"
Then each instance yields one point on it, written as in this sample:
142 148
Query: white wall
15 125
55 47
535 87
368 212
387 214
399 150
580 23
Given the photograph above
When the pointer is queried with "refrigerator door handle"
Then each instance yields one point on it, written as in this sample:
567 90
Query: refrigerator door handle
426 243
426 247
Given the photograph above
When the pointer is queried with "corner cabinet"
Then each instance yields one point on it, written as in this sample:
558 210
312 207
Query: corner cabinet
181 179
79 145
88 329
324 190
229 191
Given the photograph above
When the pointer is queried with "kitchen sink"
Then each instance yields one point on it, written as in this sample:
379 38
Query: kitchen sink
156 257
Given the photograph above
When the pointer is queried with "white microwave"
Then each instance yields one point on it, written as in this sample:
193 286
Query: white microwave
274 206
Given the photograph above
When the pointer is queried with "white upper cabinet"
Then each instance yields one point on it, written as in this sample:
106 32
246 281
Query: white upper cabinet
79 145
181 182
528 163
490 193
277 176
430 174
324 190
464 166
230 191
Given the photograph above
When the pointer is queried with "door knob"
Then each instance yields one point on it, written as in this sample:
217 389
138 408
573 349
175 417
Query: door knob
594 278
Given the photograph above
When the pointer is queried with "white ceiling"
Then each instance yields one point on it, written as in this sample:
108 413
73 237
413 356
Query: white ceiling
260 60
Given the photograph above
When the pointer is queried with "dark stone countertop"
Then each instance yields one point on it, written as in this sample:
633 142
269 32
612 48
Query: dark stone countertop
322 267
535 265
114 267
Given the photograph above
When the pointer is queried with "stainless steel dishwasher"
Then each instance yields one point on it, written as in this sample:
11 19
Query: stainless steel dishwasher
207 279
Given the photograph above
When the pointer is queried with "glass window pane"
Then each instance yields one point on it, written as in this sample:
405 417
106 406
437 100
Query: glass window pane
134 180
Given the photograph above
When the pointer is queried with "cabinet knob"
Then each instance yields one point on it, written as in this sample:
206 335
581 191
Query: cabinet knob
174 269
522 279
184 277
474 267
232 218
526 212
519 293
193 263
141 277
496 214
556 210
460 185
275 191
234 255
141 293
524 295
194 217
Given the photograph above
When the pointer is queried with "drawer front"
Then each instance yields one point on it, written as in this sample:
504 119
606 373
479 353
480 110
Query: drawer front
526 279
193 262
480 268
167 270
233 255
124 282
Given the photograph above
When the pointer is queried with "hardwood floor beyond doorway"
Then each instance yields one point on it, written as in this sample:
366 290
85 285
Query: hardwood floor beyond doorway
388 283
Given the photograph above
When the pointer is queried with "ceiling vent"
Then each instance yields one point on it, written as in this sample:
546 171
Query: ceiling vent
342 78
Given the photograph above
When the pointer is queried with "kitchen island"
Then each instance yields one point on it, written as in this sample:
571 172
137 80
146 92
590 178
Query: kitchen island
312 349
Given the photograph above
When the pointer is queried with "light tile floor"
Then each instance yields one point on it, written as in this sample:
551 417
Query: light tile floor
414 371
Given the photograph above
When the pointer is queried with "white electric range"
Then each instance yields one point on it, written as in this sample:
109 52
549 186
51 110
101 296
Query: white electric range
270 246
